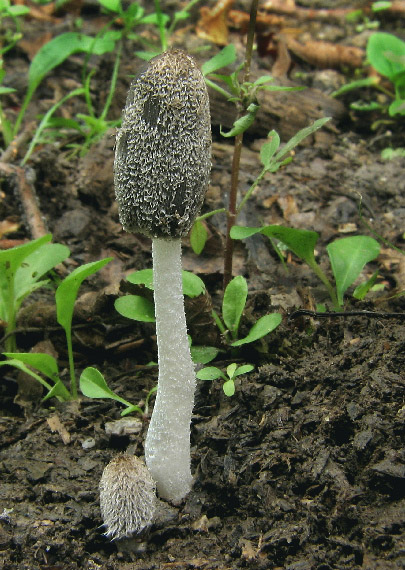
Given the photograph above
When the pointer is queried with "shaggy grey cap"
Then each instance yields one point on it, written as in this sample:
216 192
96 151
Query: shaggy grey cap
127 496
163 151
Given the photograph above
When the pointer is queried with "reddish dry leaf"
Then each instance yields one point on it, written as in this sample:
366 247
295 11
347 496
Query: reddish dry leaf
213 25
42 13
31 46
240 20
289 8
325 55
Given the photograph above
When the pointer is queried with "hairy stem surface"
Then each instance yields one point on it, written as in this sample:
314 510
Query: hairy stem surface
167 446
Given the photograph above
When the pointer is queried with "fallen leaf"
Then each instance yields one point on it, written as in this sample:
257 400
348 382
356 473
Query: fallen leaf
325 55
213 24
56 425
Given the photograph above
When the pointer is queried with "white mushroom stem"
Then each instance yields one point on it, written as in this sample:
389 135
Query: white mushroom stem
167 446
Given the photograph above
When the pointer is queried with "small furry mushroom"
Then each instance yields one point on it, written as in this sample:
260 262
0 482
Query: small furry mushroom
161 173
127 496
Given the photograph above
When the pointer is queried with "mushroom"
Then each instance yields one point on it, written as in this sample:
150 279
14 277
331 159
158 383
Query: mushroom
161 173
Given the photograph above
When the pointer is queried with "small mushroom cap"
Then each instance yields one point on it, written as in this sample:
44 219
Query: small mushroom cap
127 496
163 151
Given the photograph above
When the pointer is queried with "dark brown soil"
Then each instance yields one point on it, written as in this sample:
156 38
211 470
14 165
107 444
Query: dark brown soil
304 467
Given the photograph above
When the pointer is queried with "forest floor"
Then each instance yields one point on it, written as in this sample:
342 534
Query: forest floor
304 467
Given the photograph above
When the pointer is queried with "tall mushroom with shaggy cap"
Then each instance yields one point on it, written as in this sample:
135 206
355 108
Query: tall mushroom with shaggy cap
161 172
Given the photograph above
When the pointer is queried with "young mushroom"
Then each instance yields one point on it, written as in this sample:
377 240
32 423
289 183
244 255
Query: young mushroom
161 173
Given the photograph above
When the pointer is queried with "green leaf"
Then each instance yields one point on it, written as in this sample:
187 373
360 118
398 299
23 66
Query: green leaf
192 284
36 265
361 290
93 385
358 84
263 326
112 5
379 48
203 354
225 57
229 388
242 124
12 258
209 373
245 369
269 148
348 256
230 370
142 277
59 390
44 363
300 136
66 293
57 50
234 302
136 308
198 236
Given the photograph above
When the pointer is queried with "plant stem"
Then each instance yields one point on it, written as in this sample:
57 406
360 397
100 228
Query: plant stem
167 445
318 271
162 30
232 212
73 385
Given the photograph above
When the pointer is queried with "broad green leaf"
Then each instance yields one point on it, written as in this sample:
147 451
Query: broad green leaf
57 50
229 388
192 284
209 373
59 390
36 265
348 256
142 277
379 48
136 308
12 258
198 236
245 369
93 385
44 363
230 370
225 57
263 326
66 293
241 125
301 242
203 354
234 302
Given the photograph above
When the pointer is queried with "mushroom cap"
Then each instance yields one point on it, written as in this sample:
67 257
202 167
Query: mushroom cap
163 150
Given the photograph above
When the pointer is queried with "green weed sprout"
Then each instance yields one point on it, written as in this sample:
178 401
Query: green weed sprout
233 305
29 269
386 53
13 13
22 271
232 371
347 256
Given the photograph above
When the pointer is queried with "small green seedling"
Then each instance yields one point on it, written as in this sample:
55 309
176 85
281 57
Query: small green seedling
22 271
386 53
65 298
11 34
142 309
347 256
232 371
93 385
233 305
